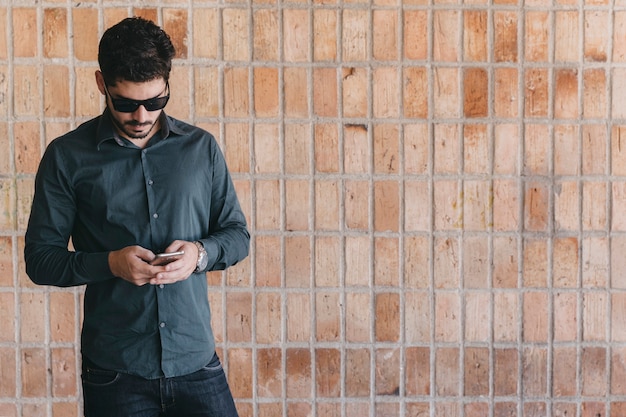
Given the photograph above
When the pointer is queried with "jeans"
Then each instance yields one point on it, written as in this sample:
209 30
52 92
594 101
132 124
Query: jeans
204 393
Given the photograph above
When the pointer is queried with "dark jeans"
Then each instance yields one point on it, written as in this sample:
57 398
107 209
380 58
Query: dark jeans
204 393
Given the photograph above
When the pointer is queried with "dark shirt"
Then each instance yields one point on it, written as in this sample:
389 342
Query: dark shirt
106 193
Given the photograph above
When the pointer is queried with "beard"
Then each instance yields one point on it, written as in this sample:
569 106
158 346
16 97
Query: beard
123 127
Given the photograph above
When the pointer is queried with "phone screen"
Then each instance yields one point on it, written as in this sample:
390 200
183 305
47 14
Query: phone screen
166 258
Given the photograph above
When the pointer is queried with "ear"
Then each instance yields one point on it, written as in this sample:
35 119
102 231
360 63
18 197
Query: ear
100 81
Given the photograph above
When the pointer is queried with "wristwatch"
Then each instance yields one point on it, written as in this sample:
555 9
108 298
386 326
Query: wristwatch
203 259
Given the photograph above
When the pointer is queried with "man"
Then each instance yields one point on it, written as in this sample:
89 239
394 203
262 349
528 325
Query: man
124 187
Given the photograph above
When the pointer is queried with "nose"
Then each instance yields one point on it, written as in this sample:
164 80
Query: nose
141 114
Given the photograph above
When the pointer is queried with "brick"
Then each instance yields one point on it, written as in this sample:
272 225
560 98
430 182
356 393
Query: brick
618 102
387 379
505 205
595 97
356 205
535 271
386 92
324 35
325 92
6 266
565 263
239 316
25 23
594 372
328 316
266 148
386 149
64 373
357 261
535 322
536 207
66 409
417 371
354 35
447 317
56 91
506 138
417 203
475 35
26 92
417 318
446 38
358 320
268 318
505 262
240 372
447 372
386 206
326 148
270 409
476 98
476 205
298 378
206 29
450 409
618 371
3 36
357 373
85 33
416 149
175 22
536 36
356 149
618 408
594 203
534 371
327 261
5 141
28 152
355 81
266 92
387 323
297 204
506 92
475 262
566 145
447 205
206 91
34 410
415 409
267 211
505 27
8 375
384 39
296 409
446 263
33 371
299 313
564 371
269 373
619 31
476 149
566 47
618 263
386 261
55 39
446 93
297 145
415 88
618 150
536 91
477 323
505 371
296 26
236 38
618 217
62 316
596 39
296 103
447 149
476 369
32 313
565 317
595 262
328 373
506 320
415 24
476 409
505 409
593 409
87 98
236 100
566 94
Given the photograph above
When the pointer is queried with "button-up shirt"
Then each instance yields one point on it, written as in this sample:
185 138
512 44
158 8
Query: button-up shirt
105 193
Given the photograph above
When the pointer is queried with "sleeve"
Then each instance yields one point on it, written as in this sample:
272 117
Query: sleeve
46 254
229 240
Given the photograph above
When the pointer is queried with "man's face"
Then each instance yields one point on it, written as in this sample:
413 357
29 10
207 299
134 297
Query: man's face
139 123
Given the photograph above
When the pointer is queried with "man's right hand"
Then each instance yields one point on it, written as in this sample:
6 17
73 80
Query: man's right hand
131 264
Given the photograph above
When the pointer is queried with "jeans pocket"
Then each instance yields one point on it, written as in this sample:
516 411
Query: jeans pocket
214 366
99 377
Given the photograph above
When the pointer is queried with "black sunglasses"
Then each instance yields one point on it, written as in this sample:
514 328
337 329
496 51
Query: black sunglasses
125 105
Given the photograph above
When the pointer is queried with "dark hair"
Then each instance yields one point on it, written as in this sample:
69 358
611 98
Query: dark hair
136 50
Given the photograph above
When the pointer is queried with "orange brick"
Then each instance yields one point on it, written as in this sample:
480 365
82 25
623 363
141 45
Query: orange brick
25 23
417 206
594 94
505 27
446 37
566 201
477 323
417 319
32 312
415 97
327 314
535 320
298 204
387 380
268 261
618 371
33 369
566 30
476 149
357 373
240 372
356 202
565 317
535 271
618 191
66 409
324 35
594 317
85 34
475 24
386 149
447 96
175 25
328 373
266 148
619 31
475 262
506 320
269 374
327 261
26 92
206 98
236 38
477 409
594 213
355 29
357 321
447 372
299 379
536 92
3 36
327 205
447 317
536 36
296 26
415 34
565 263
384 39
297 144
356 149
87 98
566 145
55 40
596 39
417 373
206 32
268 314
64 373
299 313
237 150
566 94
447 149
506 143
447 205
476 378
239 316
355 92
56 99
618 101
505 371
62 317
595 264
446 262
236 100
505 262
387 317
326 148
265 92
268 205
328 409
564 369
27 147
476 205
534 371
25 188
8 375
536 207
325 92
506 96
476 100
357 260
6 267
594 372
386 206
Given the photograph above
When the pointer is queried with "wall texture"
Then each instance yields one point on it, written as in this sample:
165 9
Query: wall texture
436 191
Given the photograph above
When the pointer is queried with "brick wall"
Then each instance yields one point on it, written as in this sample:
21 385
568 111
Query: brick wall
436 193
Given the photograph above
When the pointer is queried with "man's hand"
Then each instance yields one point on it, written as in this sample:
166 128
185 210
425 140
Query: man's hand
132 264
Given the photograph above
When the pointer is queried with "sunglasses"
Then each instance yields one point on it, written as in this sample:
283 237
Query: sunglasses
125 105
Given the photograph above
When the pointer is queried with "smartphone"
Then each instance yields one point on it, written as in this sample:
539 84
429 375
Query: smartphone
166 258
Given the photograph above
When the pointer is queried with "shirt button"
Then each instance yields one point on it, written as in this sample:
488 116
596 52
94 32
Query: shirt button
150 182
161 286
155 215
162 324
